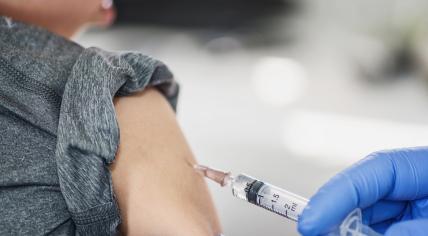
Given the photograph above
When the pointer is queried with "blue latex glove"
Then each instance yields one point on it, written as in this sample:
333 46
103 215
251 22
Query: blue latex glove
390 186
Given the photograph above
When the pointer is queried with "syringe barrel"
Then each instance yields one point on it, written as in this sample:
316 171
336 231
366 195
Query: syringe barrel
267 196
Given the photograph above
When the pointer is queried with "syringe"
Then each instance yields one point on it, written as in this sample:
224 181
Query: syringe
280 201
259 193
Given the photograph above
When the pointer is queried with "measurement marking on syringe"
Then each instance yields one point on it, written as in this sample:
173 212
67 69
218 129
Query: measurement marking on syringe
278 212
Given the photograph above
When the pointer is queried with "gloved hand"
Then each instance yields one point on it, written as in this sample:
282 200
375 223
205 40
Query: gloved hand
390 186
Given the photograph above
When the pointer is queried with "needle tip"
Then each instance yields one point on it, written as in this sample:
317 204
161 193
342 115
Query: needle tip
200 167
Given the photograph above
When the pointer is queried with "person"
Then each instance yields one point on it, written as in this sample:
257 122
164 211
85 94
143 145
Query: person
89 143
391 187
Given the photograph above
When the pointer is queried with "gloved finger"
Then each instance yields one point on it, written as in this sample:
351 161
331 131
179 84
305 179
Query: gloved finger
395 175
361 185
417 227
383 210
420 208
410 173
381 227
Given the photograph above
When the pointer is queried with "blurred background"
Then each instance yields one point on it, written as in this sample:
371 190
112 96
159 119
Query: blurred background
290 92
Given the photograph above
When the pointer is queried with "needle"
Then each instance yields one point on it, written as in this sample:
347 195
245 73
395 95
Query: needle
220 177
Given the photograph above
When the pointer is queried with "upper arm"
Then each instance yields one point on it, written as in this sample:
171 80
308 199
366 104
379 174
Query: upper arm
158 191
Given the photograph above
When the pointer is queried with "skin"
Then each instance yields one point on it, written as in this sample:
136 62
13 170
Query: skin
155 164
157 189
59 16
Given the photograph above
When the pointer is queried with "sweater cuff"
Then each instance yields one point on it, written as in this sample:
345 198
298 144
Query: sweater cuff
100 220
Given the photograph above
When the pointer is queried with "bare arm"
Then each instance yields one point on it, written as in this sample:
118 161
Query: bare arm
157 189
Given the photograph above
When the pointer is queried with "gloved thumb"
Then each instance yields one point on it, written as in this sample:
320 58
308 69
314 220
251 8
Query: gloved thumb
417 227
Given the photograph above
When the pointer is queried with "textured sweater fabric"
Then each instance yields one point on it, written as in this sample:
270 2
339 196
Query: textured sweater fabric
58 130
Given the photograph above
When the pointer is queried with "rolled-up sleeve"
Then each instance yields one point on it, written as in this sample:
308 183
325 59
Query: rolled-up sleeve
88 133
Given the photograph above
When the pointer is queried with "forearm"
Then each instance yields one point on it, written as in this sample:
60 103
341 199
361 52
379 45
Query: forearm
157 189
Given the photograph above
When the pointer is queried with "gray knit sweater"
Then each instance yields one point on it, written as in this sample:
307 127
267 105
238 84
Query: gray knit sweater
58 130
